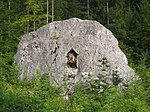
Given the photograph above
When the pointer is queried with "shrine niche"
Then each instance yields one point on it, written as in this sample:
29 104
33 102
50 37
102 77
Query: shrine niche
72 58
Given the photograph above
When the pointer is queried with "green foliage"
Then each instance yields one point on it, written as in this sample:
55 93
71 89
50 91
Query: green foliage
38 95
131 100
129 22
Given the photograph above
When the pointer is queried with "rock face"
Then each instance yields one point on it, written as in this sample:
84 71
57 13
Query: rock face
97 48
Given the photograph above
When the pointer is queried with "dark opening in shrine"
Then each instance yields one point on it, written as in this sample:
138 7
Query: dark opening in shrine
72 58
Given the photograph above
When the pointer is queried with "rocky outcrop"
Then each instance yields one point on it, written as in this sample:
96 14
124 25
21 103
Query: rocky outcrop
46 50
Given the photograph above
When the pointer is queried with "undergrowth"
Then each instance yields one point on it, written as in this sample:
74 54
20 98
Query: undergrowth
38 95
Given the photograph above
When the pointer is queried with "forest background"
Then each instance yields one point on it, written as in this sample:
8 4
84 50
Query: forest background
129 20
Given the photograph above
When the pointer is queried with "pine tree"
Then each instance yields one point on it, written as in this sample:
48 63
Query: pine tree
141 32
34 7
60 6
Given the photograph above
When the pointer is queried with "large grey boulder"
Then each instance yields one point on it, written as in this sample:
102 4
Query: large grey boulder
45 50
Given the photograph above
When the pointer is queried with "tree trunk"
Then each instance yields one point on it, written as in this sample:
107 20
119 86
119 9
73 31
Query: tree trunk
107 13
88 9
9 18
34 20
28 19
9 10
52 10
47 9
